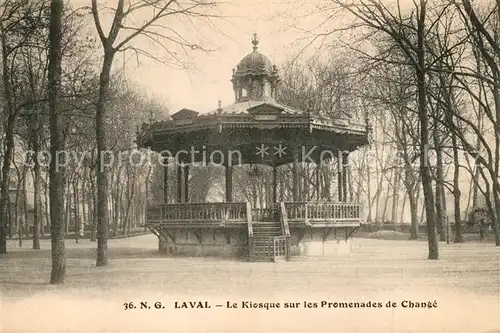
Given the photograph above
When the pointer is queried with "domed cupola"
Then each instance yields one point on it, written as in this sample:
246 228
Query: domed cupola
255 77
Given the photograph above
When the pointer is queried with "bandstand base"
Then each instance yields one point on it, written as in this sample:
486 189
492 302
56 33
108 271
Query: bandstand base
216 242
203 250
233 243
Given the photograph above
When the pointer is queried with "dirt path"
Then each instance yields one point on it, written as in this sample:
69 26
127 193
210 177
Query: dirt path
464 284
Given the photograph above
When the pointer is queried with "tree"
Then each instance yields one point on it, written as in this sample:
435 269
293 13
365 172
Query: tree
154 29
408 33
57 145
484 36
18 21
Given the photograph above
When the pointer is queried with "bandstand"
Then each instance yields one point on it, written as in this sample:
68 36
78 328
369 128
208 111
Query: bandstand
254 130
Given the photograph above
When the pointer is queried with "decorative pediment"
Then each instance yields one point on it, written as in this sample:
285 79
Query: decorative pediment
265 111
341 121
184 116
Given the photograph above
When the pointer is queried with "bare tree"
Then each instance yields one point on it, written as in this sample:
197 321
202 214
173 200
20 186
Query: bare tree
57 145
155 29
408 34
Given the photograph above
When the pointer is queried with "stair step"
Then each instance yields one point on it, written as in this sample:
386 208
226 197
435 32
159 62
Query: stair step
264 239
263 243
267 233
267 228
266 225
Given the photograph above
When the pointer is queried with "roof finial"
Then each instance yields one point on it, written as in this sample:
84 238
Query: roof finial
255 41
219 109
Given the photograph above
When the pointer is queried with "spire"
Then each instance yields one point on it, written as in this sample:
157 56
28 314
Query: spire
219 109
255 42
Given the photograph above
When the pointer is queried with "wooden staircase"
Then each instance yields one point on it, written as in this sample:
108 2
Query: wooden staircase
263 239
268 236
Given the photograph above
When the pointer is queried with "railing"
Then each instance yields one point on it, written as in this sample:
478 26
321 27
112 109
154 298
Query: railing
250 231
198 212
322 211
286 229
279 248
265 214
230 212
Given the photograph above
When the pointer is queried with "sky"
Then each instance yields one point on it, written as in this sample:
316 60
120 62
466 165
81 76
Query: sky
282 28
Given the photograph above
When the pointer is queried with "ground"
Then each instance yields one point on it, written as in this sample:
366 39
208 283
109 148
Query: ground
464 283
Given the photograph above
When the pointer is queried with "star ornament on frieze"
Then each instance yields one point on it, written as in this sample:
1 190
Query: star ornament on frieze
263 150
280 151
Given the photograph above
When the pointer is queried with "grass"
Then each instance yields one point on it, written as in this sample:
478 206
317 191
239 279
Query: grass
465 283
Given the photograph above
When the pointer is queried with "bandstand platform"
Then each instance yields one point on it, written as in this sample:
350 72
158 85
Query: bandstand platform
235 229
255 130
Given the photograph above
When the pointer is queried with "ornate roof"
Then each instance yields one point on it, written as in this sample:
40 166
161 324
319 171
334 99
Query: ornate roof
254 63
243 108
249 115
254 118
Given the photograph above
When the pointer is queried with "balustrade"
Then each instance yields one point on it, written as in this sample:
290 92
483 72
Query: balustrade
224 212
279 248
265 214
322 211
308 212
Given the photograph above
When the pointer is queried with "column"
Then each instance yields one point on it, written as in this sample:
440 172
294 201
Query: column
186 183
165 184
318 187
339 177
345 165
229 183
275 183
179 183
296 178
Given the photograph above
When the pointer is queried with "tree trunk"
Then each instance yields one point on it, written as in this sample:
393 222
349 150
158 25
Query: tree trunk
75 211
395 196
57 144
403 206
424 136
369 193
9 147
83 200
47 204
440 216
67 208
413 215
115 200
18 206
456 186
37 202
25 204
496 218
386 204
130 197
102 174
93 206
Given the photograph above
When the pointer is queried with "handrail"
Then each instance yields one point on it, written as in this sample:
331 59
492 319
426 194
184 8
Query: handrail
322 211
221 212
284 220
249 219
250 231
323 203
286 229
280 247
